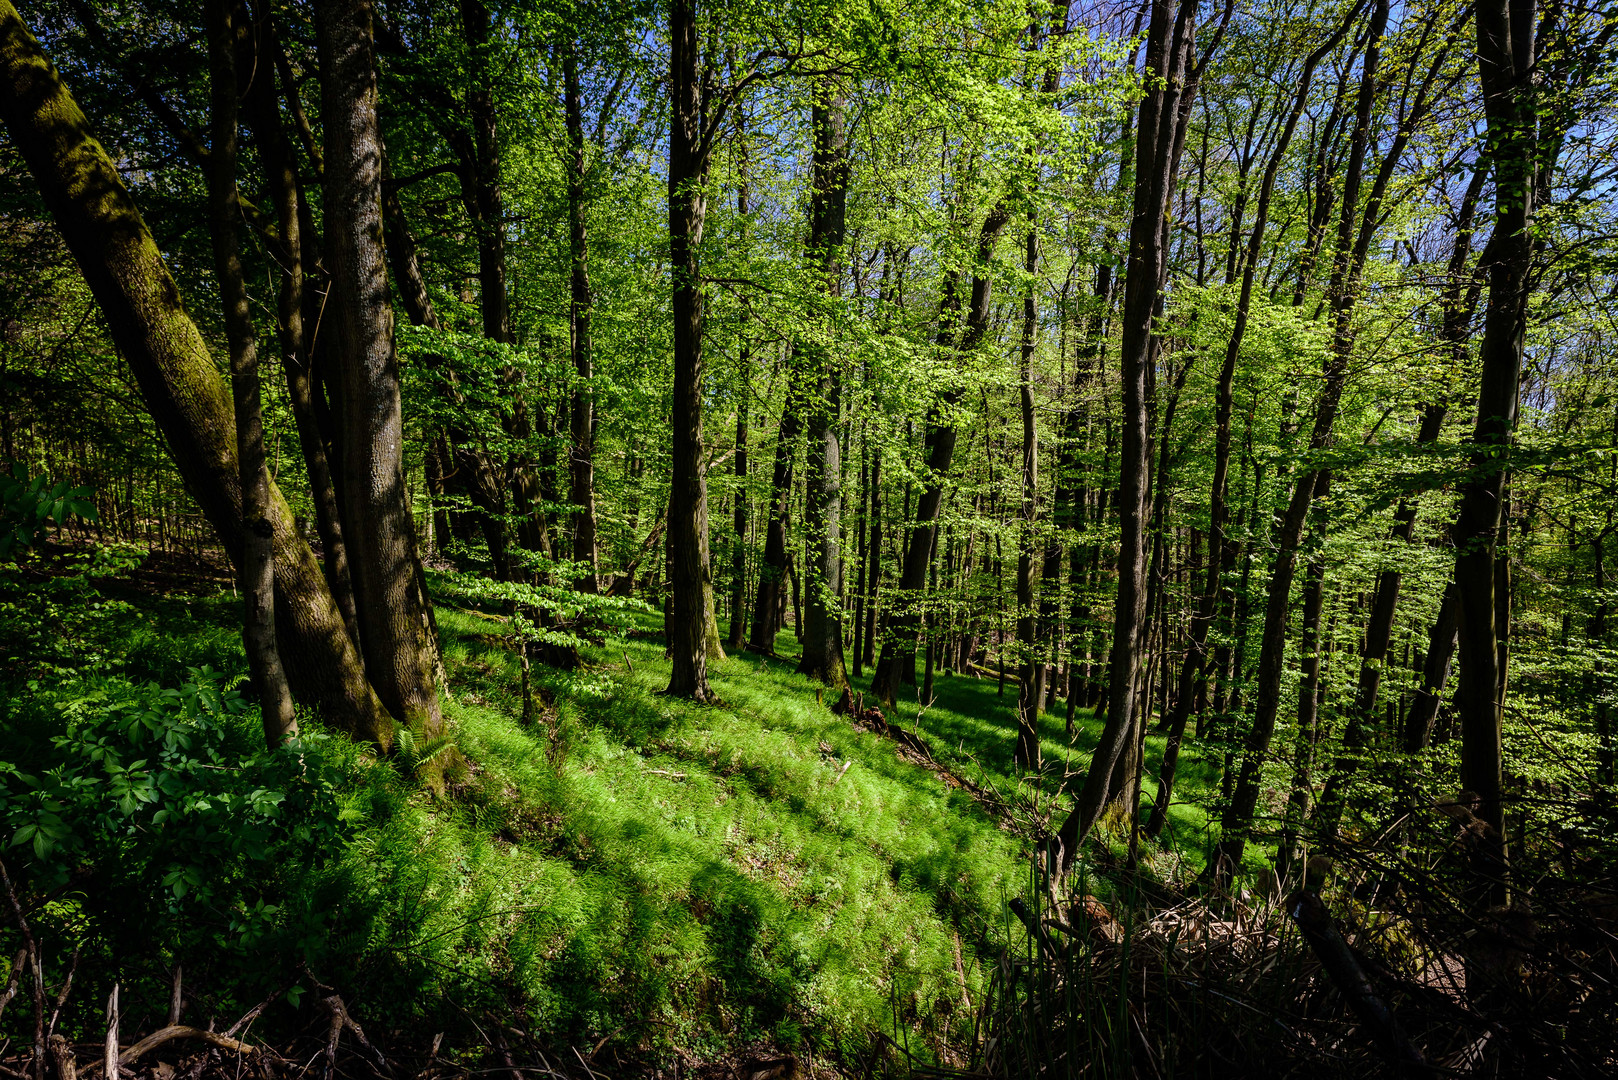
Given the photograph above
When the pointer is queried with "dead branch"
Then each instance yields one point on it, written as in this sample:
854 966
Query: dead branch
1320 931
169 1034
110 1062
16 979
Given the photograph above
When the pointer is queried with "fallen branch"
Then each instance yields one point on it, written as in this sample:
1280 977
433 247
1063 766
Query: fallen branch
1320 931
169 1034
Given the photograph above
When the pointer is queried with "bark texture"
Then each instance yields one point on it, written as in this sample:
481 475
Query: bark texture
395 628
177 378
256 568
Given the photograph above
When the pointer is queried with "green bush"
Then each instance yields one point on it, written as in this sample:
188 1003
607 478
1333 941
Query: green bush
159 810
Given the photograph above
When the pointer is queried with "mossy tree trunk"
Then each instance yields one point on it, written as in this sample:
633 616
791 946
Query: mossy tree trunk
176 376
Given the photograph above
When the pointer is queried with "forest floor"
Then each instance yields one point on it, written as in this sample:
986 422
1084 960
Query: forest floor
650 879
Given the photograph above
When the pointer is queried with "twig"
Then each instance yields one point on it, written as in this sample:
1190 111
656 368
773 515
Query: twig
256 1010
61 998
16 979
39 978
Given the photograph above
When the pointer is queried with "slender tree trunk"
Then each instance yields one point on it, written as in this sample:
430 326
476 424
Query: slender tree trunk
1308 731
1441 642
1029 686
899 650
472 474
292 301
1170 51
1238 817
395 628
772 576
1192 677
256 570
873 571
176 376
581 454
822 658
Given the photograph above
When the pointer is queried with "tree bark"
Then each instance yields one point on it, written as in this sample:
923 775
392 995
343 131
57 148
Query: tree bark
822 657
1170 50
581 456
177 378
256 569
690 579
395 629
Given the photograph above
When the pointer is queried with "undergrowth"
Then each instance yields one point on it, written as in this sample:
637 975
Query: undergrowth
626 870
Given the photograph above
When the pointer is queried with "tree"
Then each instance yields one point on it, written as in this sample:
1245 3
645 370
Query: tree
1171 78
823 577
257 566
396 634
176 376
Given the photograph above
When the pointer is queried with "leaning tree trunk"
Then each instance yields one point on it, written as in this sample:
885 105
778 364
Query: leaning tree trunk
256 568
1169 52
822 658
176 376
395 628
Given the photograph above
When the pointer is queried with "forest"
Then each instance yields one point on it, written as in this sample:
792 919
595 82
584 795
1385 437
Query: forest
505 506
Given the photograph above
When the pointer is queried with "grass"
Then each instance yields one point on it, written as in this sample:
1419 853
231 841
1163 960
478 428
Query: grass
655 876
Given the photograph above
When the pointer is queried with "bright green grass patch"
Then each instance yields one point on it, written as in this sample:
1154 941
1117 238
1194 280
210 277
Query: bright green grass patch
696 875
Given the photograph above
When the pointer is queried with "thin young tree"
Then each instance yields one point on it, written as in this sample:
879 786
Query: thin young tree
256 568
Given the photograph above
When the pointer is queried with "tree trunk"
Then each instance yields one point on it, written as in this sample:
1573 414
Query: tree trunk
1030 664
1170 50
873 569
822 657
1192 677
1506 61
294 298
581 456
898 651
176 376
690 581
1441 642
395 629
256 569
1238 816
